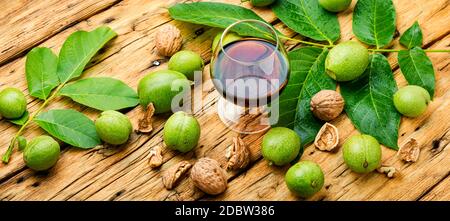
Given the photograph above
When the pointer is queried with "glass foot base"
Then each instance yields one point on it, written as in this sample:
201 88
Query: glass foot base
241 119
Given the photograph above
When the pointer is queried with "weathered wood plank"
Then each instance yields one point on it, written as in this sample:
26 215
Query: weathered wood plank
439 192
97 174
24 24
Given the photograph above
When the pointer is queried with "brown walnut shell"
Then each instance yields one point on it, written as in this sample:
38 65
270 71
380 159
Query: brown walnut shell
174 174
168 40
327 105
410 151
328 138
237 154
208 176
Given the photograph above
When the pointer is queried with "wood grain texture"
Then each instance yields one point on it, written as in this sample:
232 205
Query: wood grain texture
123 173
25 24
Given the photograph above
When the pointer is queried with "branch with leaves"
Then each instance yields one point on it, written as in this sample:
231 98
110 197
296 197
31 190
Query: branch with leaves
50 76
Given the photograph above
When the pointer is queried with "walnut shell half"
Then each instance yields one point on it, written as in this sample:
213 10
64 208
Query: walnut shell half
327 105
328 138
208 176
168 40
410 151
237 154
174 174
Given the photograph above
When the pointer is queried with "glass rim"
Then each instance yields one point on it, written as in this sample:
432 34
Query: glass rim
228 29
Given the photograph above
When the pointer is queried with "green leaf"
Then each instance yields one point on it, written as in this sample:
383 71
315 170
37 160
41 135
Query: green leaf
78 50
412 37
308 18
40 70
101 93
369 104
70 126
307 77
417 68
374 22
218 15
21 121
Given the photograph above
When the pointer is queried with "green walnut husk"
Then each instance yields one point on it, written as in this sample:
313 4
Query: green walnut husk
187 63
262 3
229 38
362 153
41 153
21 143
412 100
113 127
13 103
347 61
157 87
304 179
280 145
181 132
335 5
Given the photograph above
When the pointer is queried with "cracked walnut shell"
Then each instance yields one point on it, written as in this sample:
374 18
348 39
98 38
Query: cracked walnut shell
171 177
327 105
410 151
208 176
168 40
328 138
237 154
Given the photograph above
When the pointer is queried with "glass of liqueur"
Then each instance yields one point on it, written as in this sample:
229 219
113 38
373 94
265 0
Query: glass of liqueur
249 73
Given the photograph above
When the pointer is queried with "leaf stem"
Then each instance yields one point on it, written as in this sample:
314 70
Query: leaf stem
306 42
7 154
398 50
437 50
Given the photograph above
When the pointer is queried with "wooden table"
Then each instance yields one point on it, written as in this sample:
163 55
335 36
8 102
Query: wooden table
124 174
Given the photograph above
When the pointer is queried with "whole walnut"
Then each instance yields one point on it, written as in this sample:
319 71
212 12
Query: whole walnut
208 176
168 40
327 105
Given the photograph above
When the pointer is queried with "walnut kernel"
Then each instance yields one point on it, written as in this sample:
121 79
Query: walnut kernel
155 160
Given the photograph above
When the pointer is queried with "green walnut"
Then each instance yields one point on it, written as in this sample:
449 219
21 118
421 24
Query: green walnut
21 142
362 153
280 146
262 3
181 132
113 127
347 61
13 103
411 100
229 38
304 179
186 62
335 5
160 88
41 153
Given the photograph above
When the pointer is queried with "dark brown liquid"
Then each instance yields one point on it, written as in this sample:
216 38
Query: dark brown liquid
251 72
